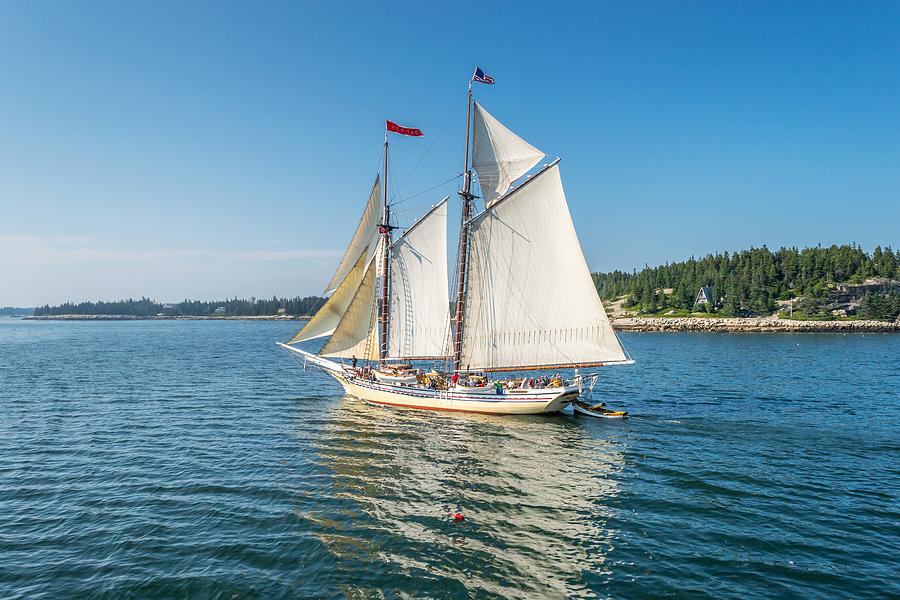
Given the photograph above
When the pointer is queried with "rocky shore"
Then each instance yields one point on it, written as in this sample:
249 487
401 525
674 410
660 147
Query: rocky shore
671 324
164 318
750 325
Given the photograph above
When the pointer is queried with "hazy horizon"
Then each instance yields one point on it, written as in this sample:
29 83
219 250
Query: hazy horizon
327 274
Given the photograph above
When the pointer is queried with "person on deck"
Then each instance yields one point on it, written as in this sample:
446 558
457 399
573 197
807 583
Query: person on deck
353 362
455 378
498 388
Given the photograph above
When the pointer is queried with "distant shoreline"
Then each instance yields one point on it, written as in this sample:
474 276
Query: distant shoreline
749 325
165 318
631 324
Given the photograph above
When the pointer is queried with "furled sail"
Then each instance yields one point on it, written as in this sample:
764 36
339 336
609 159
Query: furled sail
531 302
420 309
362 238
328 317
357 333
500 156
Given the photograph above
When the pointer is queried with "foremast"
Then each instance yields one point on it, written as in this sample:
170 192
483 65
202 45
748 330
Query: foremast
385 230
463 259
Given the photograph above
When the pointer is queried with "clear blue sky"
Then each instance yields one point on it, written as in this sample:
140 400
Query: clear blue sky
199 149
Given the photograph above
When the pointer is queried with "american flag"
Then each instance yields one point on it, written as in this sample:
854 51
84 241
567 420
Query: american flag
480 77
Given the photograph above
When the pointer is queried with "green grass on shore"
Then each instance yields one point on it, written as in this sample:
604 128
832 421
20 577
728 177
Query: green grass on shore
801 316
673 313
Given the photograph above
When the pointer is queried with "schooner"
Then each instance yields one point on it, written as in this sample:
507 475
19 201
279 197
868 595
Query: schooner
523 298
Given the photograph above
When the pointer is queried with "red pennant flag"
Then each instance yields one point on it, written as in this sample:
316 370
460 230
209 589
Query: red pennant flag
394 128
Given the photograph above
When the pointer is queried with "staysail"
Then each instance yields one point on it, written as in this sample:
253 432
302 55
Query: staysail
328 317
500 157
531 302
349 275
362 238
356 334
420 310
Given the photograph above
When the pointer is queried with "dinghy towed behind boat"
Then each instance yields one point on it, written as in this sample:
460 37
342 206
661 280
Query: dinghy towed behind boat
524 297
597 410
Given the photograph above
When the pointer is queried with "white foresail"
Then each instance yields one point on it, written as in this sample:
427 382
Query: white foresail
362 238
357 333
531 301
328 317
349 277
500 156
420 309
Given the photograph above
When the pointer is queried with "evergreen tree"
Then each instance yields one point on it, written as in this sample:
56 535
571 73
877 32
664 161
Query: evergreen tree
752 279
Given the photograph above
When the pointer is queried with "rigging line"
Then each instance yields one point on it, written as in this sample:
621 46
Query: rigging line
393 193
380 163
431 144
415 209
396 191
431 189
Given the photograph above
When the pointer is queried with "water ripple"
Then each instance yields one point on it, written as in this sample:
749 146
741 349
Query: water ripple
194 459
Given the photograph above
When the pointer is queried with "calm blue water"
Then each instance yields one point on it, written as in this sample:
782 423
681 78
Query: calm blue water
196 459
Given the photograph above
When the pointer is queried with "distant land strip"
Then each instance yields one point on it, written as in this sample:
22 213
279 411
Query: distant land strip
145 308
822 289
631 324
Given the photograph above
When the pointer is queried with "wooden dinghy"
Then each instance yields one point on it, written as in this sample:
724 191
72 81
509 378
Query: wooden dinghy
597 410
396 374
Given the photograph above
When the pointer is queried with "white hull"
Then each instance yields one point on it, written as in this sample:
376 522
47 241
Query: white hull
474 400
531 402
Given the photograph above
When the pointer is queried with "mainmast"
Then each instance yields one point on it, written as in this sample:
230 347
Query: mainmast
385 230
466 195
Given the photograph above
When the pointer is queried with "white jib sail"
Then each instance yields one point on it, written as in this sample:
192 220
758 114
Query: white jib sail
531 301
420 305
357 333
362 238
500 157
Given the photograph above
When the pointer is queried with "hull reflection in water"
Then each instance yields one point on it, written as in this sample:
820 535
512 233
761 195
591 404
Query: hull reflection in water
532 493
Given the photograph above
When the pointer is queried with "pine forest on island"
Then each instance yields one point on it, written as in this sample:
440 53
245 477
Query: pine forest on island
759 281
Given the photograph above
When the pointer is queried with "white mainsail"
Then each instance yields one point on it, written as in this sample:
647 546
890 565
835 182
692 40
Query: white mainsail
531 301
420 309
362 238
357 333
500 157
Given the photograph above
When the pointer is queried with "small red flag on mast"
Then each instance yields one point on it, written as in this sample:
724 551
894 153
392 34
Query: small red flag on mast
394 128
